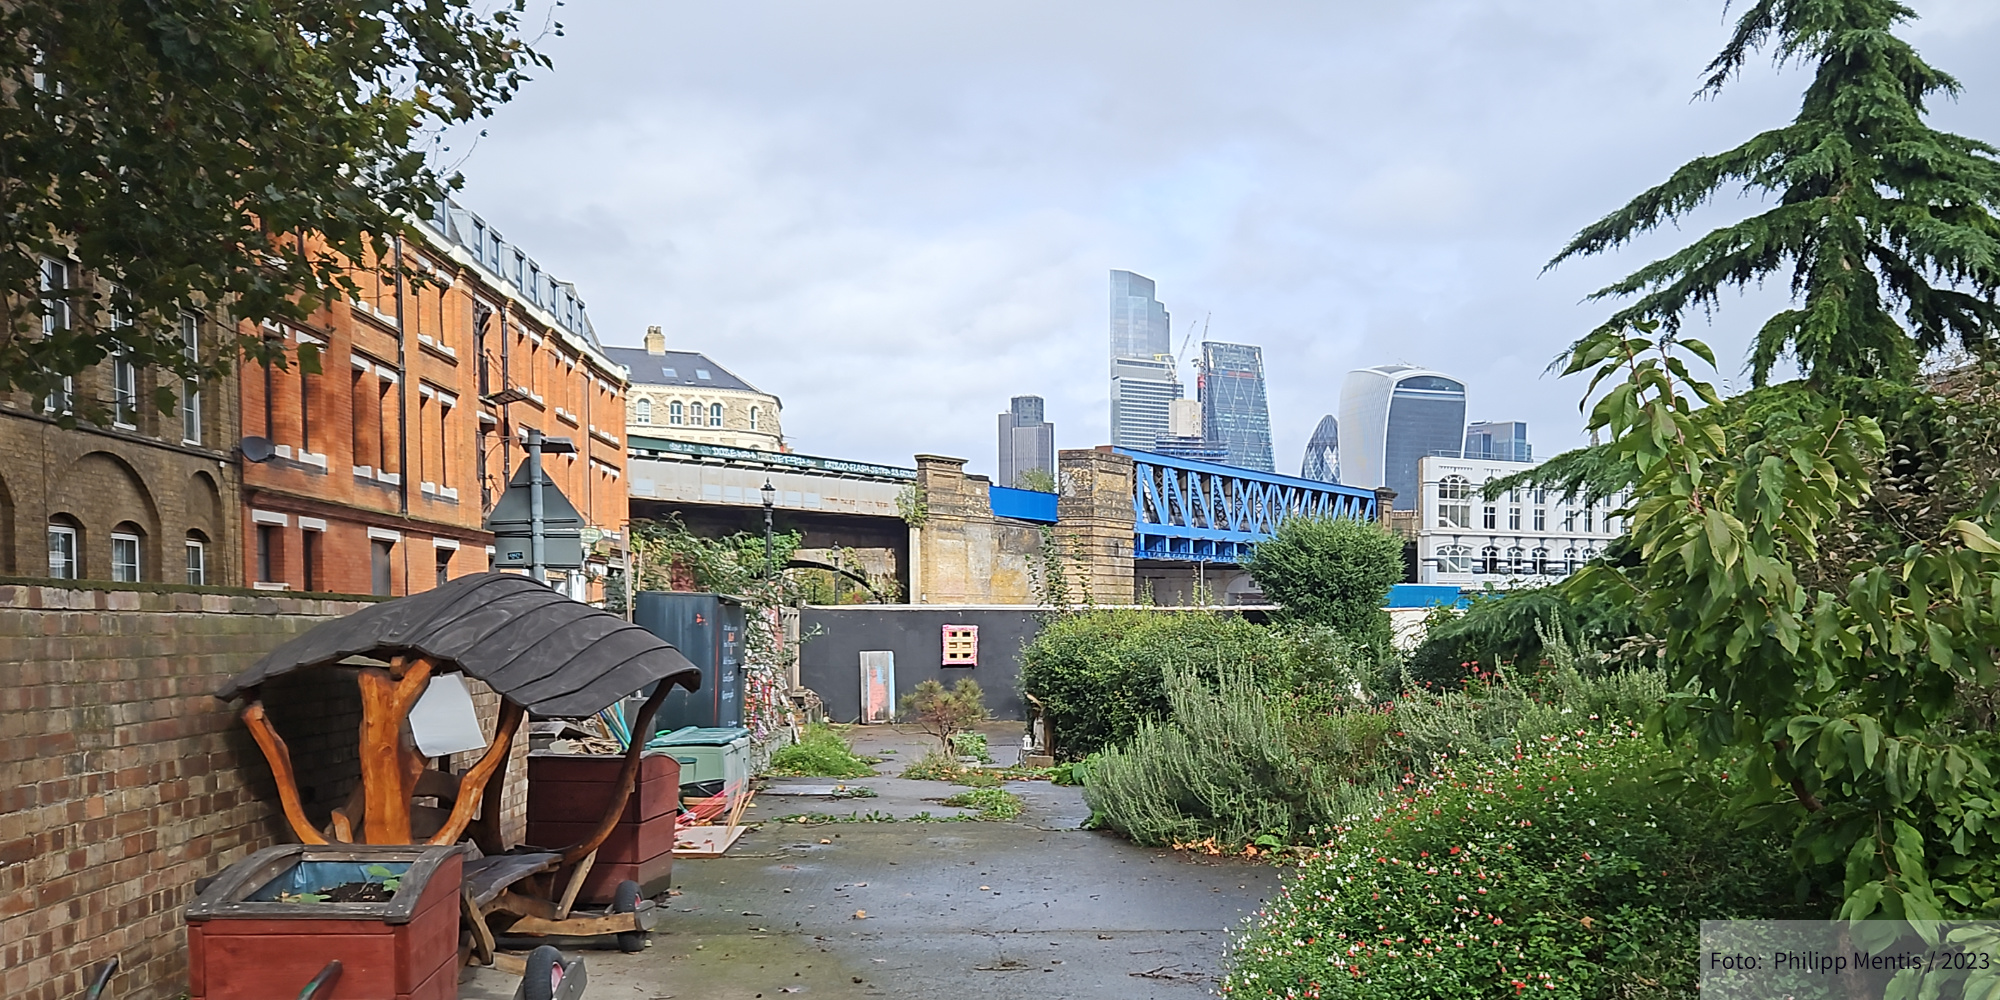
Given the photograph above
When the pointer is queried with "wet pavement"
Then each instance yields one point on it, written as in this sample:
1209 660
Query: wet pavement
967 909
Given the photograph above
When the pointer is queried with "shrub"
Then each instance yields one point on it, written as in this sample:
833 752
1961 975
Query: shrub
1332 571
1222 767
1098 674
992 803
1567 870
821 752
971 745
1504 627
943 713
934 766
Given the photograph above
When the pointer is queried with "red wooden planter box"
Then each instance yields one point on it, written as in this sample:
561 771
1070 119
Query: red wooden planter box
567 794
241 948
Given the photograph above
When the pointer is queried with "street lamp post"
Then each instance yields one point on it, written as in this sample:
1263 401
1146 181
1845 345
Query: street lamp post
770 500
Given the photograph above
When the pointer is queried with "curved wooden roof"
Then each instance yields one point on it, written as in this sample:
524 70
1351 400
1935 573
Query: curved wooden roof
549 654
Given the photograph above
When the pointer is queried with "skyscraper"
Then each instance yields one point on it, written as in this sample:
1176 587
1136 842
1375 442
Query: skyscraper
1233 411
1392 415
1504 440
1144 379
1322 462
1026 441
1140 325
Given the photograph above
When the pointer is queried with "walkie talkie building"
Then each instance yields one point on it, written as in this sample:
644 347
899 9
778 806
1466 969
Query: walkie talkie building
1393 415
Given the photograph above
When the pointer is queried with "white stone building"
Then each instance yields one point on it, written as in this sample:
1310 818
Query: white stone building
1522 538
684 396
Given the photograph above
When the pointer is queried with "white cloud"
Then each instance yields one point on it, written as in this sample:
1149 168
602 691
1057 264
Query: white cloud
896 215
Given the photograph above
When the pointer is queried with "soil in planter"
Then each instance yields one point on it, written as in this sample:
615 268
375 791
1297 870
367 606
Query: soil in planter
360 892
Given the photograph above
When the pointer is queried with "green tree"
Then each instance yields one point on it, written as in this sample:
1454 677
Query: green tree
1039 480
1812 555
1882 224
178 149
1331 571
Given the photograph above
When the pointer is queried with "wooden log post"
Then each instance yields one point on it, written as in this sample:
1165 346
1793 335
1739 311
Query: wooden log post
628 776
280 759
472 788
386 776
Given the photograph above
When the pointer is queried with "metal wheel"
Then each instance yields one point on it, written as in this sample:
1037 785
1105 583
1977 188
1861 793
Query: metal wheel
626 900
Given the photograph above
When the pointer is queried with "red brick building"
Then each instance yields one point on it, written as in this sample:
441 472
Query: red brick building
387 458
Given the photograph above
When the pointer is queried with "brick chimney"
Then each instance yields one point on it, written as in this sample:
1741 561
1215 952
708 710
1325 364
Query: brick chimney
656 342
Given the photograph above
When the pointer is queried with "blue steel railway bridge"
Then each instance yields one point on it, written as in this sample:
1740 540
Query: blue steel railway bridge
1191 520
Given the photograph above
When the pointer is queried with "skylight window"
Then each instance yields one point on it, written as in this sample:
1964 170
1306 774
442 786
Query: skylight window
701 373
670 373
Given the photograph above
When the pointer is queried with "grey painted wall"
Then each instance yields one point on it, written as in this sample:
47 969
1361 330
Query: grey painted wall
831 660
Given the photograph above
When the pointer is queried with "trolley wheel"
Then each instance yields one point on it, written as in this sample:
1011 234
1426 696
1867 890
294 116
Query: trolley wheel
626 900
544 975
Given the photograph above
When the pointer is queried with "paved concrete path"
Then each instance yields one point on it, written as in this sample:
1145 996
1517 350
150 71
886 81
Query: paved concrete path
1032 907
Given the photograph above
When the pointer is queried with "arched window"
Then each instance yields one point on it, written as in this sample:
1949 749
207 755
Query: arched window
1569 560
1454 508
1489 561
642 411
1588 555
64 533
753 418
197 558
674 412
1539 562
1517 561
715 414
125 553
1455 558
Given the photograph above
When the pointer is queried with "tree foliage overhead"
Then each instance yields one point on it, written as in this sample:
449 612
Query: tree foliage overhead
176 149
1814 557
1883 225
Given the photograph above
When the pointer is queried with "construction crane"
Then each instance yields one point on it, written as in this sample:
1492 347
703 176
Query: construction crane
1178 355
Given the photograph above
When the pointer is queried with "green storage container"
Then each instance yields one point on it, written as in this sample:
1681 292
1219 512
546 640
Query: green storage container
713 760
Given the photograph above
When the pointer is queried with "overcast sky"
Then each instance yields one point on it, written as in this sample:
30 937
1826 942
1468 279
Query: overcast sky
896 215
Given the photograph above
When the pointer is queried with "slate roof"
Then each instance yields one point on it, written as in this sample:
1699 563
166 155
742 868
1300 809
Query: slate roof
651 369
554 656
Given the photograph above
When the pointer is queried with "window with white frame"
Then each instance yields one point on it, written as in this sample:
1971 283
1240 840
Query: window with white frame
124 390
715 414
1454 502
125 554
190 388
1539 562
1489 561
674 412
753 418
197 559
1541 519
1569 564
642 411
1513 519
1455 558
1517 561
62 549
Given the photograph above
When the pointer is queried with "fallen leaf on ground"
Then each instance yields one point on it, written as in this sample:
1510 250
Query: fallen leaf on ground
860 914
985 888
823 840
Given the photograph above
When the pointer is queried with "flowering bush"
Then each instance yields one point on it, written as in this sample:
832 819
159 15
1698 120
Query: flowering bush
1566 869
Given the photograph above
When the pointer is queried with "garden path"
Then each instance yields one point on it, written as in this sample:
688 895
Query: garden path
1029 907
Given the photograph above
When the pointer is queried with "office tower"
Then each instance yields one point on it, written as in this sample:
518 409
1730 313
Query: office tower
1140 326
1233 411
1393 415
1144 375
1026 441
1322 462
1500 440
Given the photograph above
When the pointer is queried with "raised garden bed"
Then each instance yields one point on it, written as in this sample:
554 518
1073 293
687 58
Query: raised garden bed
272 921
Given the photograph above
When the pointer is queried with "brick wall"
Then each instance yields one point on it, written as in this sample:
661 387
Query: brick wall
123 780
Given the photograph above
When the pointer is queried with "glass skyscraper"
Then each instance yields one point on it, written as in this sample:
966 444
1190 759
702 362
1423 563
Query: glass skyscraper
1322 462
1503 440
1393 415
1234 414
1144 380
